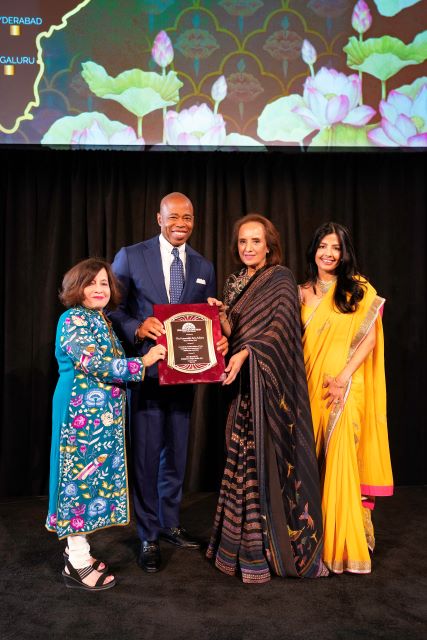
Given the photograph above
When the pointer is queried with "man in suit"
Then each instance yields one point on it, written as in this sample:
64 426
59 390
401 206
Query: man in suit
158 271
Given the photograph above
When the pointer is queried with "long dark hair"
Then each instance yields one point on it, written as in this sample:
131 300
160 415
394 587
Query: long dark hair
348 291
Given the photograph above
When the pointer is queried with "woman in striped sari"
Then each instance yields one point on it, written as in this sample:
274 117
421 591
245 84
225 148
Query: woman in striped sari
344 359
268 517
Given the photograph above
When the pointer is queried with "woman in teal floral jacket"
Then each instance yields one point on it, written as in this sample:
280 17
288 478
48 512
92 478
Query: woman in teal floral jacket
88 478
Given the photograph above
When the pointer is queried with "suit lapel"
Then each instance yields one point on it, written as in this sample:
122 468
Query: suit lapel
153 262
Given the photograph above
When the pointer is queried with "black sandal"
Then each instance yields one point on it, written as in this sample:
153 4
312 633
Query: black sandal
74 579
95 565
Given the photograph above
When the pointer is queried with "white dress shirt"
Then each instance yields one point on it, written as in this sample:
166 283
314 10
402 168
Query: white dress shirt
167 259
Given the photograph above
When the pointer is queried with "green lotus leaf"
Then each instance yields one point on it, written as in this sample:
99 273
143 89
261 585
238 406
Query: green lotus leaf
140 92
278 122
237 140
61 131
412 90
139 101
391 7
384 57
343 135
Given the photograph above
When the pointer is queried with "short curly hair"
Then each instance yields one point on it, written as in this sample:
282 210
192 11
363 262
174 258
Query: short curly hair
80 276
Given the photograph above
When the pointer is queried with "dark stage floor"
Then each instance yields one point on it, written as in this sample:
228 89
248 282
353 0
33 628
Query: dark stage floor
190 599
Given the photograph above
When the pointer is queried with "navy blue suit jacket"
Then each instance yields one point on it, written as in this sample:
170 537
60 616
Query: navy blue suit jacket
140 272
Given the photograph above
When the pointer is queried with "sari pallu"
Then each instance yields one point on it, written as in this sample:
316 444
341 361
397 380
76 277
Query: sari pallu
268 516
351 444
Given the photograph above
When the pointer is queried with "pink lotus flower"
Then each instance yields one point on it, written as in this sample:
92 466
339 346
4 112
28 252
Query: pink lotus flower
115 392
404 120
83 448
332 97
361 19
196 126
308 52
72 439
134 367
97 422
77 523
79 422
96 135
162 50
219 89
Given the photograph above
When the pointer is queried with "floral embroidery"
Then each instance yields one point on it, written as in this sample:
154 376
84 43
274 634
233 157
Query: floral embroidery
77 523
71 489
91 491
79 422
107 418
134 367
95 398
236 282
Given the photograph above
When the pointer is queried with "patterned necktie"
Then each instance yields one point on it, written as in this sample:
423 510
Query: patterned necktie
177 277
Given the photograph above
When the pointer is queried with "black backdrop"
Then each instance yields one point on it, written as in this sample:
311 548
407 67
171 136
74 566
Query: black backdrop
58 207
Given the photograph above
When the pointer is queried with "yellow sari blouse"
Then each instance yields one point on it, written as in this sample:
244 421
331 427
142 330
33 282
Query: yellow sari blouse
351 443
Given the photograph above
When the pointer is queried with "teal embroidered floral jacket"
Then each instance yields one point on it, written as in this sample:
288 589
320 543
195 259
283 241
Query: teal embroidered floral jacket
88 478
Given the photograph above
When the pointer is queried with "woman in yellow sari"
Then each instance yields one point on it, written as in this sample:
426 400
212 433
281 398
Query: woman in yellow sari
344 358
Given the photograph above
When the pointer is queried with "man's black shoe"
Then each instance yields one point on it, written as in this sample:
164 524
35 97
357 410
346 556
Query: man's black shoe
179 537
149 557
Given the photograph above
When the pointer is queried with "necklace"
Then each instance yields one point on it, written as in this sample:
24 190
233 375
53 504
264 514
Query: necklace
325 285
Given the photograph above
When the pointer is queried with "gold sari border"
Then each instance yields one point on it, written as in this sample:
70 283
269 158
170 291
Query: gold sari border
349 566
366 325
364 329
334 416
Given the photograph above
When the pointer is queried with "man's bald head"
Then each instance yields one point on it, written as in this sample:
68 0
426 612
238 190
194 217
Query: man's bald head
176 197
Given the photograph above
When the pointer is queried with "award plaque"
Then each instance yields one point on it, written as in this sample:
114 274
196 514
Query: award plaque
192 331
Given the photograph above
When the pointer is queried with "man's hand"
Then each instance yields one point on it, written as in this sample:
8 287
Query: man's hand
150 328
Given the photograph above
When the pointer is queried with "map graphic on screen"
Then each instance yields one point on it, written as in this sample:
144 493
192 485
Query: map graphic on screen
230 74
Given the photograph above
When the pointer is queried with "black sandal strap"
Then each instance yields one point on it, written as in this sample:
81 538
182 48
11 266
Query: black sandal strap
79 574
85 572
101 580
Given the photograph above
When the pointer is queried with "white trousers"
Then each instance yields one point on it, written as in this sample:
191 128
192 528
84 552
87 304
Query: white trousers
78 551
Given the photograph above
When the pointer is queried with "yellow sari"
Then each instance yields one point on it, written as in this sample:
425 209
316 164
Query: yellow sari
351 443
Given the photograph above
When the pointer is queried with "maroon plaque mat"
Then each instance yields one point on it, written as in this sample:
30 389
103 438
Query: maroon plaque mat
192 331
